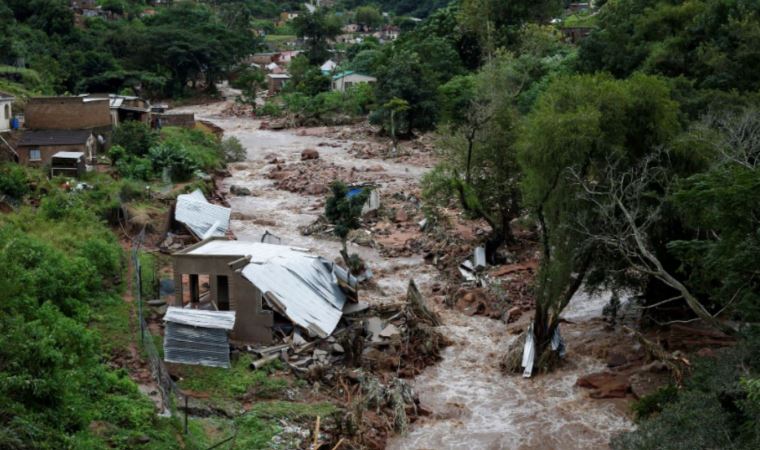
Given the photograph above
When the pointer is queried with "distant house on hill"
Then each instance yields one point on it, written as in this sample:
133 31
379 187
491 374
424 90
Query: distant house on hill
351 28
276 81
328 66
344 80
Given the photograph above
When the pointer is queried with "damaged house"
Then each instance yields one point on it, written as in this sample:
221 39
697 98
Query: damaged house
272 288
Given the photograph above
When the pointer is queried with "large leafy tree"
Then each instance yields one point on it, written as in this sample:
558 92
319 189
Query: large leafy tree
497 22
317 28
721 203
480 115
713 42
581 127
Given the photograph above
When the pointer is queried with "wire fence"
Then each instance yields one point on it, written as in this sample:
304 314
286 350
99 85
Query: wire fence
167 389
166 386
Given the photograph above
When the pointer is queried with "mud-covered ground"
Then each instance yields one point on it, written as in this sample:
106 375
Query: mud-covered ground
473 404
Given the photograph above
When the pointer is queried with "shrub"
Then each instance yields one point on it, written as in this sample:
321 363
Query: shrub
135 137
233 150
13 181
203 148
116 153
174 158
271 109
714 394
136 168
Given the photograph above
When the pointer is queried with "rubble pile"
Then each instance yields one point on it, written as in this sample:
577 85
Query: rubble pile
398 337
235 109
364 361
313 176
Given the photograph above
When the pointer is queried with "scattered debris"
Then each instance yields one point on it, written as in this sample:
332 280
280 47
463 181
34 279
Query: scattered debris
269 238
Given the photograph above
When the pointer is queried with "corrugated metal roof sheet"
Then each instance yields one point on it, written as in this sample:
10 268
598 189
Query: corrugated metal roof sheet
55 137
223 320
258 251
303 288
72 155
204 219
197 337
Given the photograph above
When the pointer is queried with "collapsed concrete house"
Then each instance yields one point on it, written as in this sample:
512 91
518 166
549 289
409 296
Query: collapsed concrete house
270 287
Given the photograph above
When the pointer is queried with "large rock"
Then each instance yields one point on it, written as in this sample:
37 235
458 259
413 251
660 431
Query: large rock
605 384
239 191
309 153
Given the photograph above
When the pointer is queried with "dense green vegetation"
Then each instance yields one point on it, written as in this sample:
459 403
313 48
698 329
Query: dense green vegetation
414 8
63 271
155 55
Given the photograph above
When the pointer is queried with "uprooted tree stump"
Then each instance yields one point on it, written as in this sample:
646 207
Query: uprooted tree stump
419 308
544 362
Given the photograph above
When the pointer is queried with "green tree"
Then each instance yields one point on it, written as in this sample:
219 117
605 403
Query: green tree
318 28
135 137
406 78
581 128
368 17
250 82
344 211
497 23
306 78
712 42
721 204
395 107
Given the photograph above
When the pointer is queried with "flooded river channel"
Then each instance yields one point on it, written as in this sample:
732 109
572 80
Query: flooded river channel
474 405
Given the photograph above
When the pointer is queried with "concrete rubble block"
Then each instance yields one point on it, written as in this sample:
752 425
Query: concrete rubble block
390 331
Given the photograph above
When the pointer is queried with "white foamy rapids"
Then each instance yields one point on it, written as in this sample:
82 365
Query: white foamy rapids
476 406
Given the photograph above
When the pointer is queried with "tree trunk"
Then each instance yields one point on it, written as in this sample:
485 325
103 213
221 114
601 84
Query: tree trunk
468 169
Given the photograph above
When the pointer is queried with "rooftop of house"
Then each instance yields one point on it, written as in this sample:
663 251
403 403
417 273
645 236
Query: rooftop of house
6 96
55 137
68 155
346 73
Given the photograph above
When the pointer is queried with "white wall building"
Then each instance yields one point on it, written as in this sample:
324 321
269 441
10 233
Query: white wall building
345 80
6 111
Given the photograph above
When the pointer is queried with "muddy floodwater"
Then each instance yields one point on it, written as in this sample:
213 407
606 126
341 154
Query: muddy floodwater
474 406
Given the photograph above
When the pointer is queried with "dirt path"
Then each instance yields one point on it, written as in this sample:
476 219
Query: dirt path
474 405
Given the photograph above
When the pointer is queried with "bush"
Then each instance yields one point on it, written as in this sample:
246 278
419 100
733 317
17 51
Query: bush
175 159
271 109
203 148
135 137
716 407
116 153
136 168
233 150
13 181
